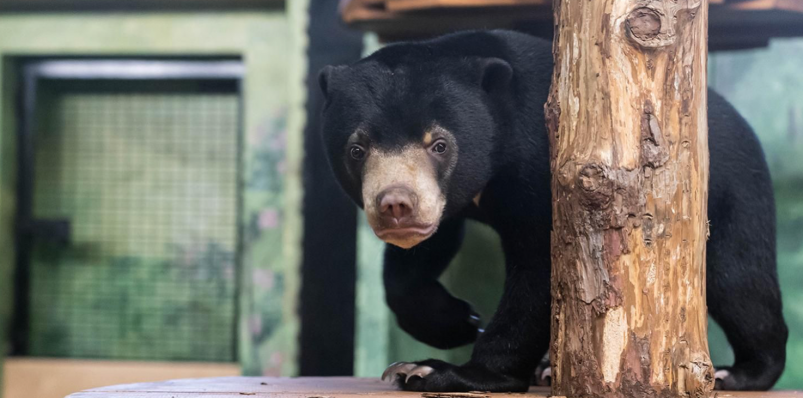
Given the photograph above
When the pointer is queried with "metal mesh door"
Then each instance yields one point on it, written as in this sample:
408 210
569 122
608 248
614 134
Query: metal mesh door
148 182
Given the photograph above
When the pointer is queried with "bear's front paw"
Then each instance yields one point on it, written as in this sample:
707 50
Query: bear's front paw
437 376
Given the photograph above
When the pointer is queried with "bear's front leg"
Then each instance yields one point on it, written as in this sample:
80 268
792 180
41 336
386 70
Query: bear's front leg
423 307
506 355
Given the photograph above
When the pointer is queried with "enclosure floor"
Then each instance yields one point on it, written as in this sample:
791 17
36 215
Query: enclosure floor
317 387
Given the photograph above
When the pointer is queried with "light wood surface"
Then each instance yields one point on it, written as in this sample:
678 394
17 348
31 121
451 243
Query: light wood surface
316 387
55 378
81 5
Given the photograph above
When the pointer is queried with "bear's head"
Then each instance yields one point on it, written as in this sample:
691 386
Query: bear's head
410 135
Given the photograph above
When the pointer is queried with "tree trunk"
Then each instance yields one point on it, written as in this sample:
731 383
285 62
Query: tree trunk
629 153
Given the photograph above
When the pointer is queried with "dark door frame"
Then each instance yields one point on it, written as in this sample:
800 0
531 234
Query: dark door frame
33 73
329 264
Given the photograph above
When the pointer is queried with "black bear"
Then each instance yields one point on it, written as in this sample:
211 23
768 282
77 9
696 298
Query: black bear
425 135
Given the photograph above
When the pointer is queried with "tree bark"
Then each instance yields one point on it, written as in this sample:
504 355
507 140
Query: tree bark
629 155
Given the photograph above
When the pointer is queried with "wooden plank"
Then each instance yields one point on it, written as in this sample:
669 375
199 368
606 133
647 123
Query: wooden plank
312 387
55 378
371 15
734 24
409 5
90 5
318 387
754 5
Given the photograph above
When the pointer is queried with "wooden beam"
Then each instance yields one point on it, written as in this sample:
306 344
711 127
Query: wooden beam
409 5
754 5
733 24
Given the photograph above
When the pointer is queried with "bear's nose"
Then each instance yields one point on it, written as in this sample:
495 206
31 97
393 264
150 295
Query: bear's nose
396 203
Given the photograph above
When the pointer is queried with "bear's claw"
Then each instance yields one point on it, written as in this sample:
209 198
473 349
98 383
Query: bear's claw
406 370
546 373
397 368
721 374
420 371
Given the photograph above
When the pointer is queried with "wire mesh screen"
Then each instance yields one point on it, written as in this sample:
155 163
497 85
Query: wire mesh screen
148 182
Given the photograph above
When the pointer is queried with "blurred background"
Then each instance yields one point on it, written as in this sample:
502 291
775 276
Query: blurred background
166 210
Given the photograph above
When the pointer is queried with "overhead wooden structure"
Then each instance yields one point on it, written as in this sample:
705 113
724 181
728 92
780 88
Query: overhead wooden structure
316 387
733 24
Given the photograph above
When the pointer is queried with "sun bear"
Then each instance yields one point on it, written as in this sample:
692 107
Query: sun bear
425 135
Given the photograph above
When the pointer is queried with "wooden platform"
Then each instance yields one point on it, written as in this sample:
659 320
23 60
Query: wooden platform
733 24
317 387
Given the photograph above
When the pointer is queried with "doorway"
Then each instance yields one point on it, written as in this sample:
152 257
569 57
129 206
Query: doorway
128 209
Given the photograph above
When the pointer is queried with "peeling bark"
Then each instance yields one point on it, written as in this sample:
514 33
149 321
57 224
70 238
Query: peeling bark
629 157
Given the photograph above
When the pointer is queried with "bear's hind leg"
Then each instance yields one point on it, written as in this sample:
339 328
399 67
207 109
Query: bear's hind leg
745 300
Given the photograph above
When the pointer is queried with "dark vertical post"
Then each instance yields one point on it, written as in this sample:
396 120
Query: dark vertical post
328 267
25 177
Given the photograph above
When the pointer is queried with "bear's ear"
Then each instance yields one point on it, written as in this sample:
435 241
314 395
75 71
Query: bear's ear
496 74
325 78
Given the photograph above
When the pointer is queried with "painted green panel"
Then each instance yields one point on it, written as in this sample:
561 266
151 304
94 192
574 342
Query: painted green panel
8 147
765 86
272 50
373 317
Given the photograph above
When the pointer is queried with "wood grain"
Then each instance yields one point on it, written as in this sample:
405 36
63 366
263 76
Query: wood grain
315 387
93 5
629 140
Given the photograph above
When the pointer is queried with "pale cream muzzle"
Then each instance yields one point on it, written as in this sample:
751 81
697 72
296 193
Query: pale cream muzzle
411 172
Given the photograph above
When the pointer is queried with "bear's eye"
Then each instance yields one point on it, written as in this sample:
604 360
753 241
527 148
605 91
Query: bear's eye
439 147
357 152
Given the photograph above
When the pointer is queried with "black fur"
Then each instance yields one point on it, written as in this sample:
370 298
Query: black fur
488 89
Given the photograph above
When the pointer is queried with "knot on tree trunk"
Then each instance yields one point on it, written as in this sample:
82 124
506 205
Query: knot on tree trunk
644 23
607 198
596 188
652 25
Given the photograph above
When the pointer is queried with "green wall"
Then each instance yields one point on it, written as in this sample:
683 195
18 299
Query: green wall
272 50
766 86
8 146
